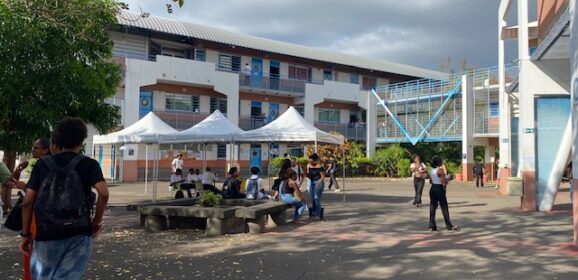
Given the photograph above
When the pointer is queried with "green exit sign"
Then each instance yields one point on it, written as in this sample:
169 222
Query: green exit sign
529 130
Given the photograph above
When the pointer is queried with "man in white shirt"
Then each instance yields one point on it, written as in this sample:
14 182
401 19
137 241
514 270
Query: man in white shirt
247 71
192 177
208 180
299 171
177 163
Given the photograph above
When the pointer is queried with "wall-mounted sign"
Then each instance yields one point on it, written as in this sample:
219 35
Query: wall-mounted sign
529 130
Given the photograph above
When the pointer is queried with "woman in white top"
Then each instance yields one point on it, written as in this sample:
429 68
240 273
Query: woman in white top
437 194
418 173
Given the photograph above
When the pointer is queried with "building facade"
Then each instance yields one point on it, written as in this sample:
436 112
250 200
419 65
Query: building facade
184 71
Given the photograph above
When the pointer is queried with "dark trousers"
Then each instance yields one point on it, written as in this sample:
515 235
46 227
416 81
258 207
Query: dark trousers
332 180
418 184
437 195
479 178
209 187
188 187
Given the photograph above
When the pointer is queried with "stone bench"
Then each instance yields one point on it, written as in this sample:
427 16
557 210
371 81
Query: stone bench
256 216
175 202
218 219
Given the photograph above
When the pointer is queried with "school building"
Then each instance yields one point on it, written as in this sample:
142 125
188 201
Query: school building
184 71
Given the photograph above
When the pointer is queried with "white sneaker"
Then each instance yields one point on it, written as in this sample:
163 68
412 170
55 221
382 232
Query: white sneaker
337 190
496 187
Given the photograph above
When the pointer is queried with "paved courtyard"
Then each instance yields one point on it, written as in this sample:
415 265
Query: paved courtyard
374 234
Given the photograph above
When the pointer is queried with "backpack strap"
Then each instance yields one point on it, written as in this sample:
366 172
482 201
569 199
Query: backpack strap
50 163
74 162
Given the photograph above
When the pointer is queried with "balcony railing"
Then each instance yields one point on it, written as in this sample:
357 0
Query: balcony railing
181 120
251 122
351 131
274 83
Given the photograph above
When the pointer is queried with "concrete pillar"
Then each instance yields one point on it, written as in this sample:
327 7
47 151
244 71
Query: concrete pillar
371 117
309 109
574 96
467 128
527 125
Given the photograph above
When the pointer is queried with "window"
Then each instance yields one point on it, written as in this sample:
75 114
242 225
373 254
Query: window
219 104
300 109
299 73
182 103
327 75
221 151
154 50
329 115
231 63
355 79
369 83
200 55
494 109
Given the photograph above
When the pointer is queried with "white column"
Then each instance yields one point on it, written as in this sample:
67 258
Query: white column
131 95
504 105
467 127
574 96
526 97
371 118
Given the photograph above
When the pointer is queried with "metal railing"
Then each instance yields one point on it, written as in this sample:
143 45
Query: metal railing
251 122
274 83
181 120
351 131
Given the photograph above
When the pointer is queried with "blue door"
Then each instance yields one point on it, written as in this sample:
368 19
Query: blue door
255 157
146 103
274 75
257 119
100 155
552 115
257 72
273 112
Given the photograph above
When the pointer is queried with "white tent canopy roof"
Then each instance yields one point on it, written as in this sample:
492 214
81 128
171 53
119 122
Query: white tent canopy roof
289 127
149 129
216 128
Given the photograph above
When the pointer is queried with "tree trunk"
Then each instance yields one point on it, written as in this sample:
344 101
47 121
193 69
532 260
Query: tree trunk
10 159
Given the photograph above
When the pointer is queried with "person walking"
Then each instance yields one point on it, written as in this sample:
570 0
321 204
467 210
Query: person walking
66 224
316 176
437 194
177 163
419 173
479 171
332 170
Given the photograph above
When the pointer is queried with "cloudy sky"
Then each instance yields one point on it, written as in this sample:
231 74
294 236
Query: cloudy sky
416 32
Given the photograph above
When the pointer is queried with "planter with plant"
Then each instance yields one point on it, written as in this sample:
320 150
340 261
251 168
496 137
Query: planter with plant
209 199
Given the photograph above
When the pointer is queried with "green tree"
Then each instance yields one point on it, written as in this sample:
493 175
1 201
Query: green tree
55 61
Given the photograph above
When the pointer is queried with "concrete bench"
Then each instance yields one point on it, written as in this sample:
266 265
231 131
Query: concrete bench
256 216
218 220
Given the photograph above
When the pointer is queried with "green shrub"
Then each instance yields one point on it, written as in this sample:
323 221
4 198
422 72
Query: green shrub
209 199
403 168
389 161
452 167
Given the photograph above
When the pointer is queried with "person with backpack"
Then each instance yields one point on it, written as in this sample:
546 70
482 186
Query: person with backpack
60 195
479 171
232 186
254 186
332 171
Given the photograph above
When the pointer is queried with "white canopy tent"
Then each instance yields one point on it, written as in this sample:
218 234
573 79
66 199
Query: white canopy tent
291 127
147 130
216 128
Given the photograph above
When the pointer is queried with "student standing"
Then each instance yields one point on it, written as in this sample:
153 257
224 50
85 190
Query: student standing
316 175
332 170
247 71
437 194
479 171
418 172
63 242
299 171
177 163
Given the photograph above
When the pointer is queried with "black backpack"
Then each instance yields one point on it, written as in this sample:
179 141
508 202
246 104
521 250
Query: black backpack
479 169
62 203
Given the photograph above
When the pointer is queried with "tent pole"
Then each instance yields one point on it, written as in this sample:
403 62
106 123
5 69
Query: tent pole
269 165
146 168
343 180
315 148
156 173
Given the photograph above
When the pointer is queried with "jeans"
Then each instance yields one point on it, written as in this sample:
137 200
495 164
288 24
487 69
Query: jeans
61 259
315 192
418 184
437 195
332 180
299 205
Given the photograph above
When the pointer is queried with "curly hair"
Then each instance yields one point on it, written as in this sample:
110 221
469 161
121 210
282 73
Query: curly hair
69 133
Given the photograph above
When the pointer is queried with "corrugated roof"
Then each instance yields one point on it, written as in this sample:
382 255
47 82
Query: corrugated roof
171 26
